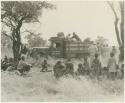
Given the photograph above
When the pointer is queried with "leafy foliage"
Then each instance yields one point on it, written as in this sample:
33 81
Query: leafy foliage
35 40
15 13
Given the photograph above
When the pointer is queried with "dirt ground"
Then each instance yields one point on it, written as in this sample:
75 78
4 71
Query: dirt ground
42 86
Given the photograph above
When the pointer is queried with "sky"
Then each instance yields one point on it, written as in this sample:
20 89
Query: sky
86 18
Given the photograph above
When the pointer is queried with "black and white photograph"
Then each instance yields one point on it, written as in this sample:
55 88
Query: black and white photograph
62 51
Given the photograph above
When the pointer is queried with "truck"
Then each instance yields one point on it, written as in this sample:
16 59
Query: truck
61 47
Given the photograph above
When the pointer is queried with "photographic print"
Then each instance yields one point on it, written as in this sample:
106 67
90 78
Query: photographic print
62 51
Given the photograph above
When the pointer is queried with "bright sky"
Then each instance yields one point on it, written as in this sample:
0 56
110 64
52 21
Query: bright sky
86 18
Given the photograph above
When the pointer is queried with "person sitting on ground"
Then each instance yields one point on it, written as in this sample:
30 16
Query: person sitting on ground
4 63
118 72
44 66
96 66
80 70
112 66
23 66
11 65
58 69
86 66
69 67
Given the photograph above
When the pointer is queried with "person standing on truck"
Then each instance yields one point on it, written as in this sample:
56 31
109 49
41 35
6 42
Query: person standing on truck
69 67
68 37
76 37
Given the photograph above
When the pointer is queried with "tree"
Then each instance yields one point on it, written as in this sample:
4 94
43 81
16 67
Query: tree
119 32
6 42
35 40
14 14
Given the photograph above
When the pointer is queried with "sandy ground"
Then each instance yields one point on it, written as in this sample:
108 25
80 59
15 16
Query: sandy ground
41 87
38 86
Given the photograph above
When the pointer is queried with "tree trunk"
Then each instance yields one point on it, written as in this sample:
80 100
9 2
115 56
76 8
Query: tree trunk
117 32
17 43
16 51
121 48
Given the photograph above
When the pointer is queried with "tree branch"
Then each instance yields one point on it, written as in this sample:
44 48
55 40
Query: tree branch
7 35
112 7
121 4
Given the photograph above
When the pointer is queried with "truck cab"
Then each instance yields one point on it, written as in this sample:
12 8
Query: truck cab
57 47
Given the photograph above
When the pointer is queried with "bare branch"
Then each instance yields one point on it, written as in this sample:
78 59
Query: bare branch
112 7
7 35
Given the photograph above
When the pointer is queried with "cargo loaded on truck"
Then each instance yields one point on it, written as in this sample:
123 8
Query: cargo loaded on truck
62 47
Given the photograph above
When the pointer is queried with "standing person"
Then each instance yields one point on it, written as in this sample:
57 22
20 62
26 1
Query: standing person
96 66
68 36
112 66
122 70
69 67
44 66
58 69
75 36
86 66
92 49
114 50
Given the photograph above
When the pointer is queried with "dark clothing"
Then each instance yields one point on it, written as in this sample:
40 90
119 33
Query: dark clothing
23 67
69 68
76 37
96 65
4 64
81 71
86 67
58 70
44 66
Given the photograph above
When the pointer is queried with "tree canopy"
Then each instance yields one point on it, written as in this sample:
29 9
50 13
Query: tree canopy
14 14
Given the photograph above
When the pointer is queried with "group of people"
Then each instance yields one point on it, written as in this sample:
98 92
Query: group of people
8 64
95 69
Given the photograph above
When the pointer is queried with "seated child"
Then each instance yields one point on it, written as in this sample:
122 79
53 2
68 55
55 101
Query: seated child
80 70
